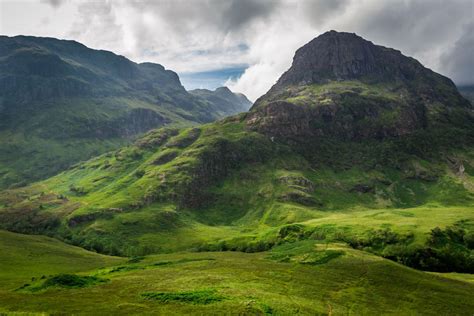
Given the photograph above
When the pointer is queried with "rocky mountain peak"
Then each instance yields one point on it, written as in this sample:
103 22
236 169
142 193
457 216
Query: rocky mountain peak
341 85
346 56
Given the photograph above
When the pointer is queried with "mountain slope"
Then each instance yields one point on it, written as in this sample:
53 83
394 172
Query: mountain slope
61 102
386 167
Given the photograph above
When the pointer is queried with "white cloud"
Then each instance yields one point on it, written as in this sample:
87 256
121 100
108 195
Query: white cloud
206 35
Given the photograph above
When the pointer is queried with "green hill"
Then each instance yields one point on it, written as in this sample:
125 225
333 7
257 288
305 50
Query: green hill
25 257
61 102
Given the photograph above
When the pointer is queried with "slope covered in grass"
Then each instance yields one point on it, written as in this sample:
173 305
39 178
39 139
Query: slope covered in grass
25 257
291 279
222 187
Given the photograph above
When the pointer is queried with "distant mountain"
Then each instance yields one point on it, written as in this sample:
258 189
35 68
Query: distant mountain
355 144
467 91
61 102
227 101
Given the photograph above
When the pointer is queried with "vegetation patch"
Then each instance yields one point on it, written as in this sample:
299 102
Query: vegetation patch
136 259
165 263
446 250
198 297
68 281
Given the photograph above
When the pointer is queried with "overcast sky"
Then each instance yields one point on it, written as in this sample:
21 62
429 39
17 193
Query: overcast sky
248 44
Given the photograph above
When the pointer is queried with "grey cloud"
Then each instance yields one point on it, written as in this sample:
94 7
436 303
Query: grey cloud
412 25
319 11
97 22
458 62
241 12
54 3
224 16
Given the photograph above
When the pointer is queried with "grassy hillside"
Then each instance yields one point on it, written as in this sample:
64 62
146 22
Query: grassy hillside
304 277
222 187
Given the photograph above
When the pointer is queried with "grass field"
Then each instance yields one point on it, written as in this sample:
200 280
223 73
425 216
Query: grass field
300 278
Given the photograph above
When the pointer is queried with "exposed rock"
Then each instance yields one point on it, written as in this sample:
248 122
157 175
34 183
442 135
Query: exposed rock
298 182
363 188
344 56
300 197
108 213
165 157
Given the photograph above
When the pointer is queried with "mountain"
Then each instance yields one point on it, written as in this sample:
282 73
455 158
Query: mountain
61 102
229 102
345 87
377 157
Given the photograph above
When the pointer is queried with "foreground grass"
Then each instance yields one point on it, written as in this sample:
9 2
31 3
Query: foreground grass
24 257
351 282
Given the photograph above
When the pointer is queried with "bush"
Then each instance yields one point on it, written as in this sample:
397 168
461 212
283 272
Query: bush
377 240
447 250
71 281
202 297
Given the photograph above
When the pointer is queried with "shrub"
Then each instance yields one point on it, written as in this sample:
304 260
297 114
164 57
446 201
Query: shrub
71 281
201 297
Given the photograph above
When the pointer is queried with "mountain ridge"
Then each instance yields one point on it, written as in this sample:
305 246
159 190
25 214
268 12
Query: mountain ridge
62 102
236 102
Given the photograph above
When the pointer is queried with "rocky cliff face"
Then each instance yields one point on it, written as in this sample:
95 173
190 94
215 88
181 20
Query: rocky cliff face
343 86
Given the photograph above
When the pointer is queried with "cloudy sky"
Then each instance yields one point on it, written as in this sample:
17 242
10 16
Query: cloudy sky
248 44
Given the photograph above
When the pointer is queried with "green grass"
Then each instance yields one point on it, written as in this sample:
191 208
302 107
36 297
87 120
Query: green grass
323 93
235 283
